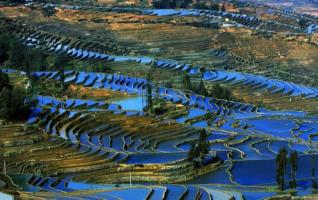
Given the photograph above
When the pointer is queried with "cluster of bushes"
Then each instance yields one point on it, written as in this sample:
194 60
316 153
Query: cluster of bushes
206 24
15 1
221 92
199 149
199 152
187 4
172 3
303 24
48 10
24 1
217 90
283 160
15 55
12 105
212 6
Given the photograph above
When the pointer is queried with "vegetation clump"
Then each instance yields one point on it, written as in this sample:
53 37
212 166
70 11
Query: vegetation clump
281 164
172 3
12 104
217 90
199 151
293 163
48 10
221 92
212 6
282 161
314 183
15 55
187 4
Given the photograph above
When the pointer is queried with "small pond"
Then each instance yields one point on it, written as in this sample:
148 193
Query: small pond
136 103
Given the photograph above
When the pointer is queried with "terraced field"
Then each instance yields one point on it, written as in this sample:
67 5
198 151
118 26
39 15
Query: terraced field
101 139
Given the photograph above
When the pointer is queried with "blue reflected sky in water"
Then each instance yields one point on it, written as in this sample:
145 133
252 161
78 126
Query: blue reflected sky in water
136 103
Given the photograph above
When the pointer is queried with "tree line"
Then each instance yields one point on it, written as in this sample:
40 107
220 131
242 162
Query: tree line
217 90
17 56
283 160
12 104
187 4
198 153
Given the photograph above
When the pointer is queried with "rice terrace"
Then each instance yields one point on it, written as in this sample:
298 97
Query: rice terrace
159 99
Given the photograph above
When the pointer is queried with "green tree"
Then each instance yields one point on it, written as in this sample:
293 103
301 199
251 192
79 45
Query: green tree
38 59
191 153
293 163
157 92
20 56
149 93
223 9
185 3
199 150
60 62
4 48
12 106
201 89
4 81
164 4
203 145
33 60
17 55
210 117
15 1
201 5
5 96
27 61
281 164
303 23
215 6
48 11
314 183
186 83
221 92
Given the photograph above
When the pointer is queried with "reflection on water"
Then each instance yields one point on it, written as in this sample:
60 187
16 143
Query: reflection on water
4 196
88 186
136 103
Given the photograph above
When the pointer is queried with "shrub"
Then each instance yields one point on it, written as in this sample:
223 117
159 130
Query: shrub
12 105
186 83
14 54
4 81
159 110
281 163
48 11
199 150
221 92
172 3
4 47
201 90
303 23
201 6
